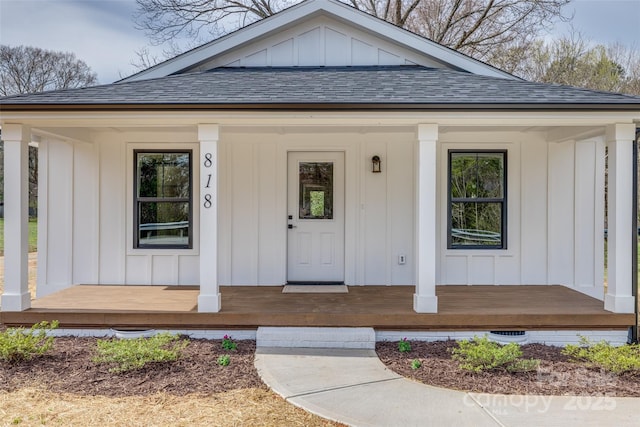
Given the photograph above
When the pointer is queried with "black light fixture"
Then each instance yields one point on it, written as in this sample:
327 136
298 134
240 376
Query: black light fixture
375 164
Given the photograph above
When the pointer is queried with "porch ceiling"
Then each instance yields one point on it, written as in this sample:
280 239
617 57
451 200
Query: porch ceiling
381 307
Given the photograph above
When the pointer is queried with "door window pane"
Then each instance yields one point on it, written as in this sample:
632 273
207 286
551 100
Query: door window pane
316 190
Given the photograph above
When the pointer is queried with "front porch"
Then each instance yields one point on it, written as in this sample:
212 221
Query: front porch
381 307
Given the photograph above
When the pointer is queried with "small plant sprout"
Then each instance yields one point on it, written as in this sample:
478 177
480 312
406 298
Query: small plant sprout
416 364
228 343
404 346
224 360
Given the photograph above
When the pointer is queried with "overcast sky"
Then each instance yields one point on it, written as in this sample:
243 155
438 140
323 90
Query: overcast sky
102 32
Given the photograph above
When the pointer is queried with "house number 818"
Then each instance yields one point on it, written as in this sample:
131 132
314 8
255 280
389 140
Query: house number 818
208 163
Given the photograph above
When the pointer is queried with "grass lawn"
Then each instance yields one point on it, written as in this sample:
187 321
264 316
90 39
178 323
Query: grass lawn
33 235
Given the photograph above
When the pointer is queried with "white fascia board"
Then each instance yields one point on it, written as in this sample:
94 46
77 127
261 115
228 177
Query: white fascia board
321 118
307 10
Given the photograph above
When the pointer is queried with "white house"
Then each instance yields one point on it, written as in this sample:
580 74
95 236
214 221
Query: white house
322 145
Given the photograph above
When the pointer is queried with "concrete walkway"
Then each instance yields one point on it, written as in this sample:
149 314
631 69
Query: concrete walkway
355 388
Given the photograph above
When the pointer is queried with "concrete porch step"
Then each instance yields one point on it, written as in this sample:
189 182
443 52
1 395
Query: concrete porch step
308 337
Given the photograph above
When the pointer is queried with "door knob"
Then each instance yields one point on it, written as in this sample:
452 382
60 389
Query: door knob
290 226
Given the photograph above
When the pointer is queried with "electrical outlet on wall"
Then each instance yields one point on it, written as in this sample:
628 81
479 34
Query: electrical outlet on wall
402 259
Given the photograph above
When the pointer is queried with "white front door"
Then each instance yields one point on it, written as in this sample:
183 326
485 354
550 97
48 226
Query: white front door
315 199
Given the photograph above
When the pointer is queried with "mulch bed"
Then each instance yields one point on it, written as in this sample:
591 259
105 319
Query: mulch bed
557 375
68 368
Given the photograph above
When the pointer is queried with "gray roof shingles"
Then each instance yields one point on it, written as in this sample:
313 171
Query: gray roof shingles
399 86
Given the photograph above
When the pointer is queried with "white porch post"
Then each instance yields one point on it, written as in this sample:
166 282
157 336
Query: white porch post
16 295
425 300
621 226
209 300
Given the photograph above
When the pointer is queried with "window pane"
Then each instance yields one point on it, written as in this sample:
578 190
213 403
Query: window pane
490 175
463 175
476 224
163 223
316 190
163 175
477 175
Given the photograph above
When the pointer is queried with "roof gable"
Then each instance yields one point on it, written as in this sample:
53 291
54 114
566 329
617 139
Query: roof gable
319 33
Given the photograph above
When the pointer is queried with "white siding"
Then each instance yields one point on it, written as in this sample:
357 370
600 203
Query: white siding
379 207
112 209
533 247
561 211
68 218
86 216
555 213
483 266
321 41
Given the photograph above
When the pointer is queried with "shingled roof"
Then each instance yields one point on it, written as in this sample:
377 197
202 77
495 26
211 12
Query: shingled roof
388 87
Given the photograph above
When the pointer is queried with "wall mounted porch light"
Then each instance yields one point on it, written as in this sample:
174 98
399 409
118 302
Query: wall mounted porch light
375 164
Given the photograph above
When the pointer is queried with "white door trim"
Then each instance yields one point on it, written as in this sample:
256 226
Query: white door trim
316 247
353 270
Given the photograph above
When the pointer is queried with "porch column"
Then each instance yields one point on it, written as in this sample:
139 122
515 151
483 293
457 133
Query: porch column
16 295
425 300
621 227
209 300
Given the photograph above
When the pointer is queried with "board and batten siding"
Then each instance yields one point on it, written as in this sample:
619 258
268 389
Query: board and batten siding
555 211
379 210
321 41
555 214
67 217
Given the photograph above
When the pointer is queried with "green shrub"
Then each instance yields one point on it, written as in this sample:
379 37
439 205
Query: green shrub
404 346
224 360
228 343
131 354
481 354
416 364
18 344
625 358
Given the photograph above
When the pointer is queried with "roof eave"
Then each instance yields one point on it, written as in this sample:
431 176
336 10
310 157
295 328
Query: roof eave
296 107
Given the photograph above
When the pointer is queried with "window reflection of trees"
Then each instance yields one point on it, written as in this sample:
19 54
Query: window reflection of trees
477 198
163 198
316 190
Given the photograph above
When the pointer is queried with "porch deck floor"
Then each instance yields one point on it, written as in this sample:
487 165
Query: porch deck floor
381 307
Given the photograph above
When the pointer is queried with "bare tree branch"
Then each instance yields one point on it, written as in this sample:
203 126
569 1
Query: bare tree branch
474 27
26 69
483 29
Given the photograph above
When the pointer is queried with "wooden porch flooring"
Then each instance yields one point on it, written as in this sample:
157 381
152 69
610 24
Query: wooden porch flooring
381 307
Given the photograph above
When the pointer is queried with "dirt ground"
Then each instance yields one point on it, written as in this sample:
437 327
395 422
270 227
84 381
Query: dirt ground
65 387
557 375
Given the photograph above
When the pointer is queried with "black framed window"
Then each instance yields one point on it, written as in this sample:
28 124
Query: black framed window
477 199
162 193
